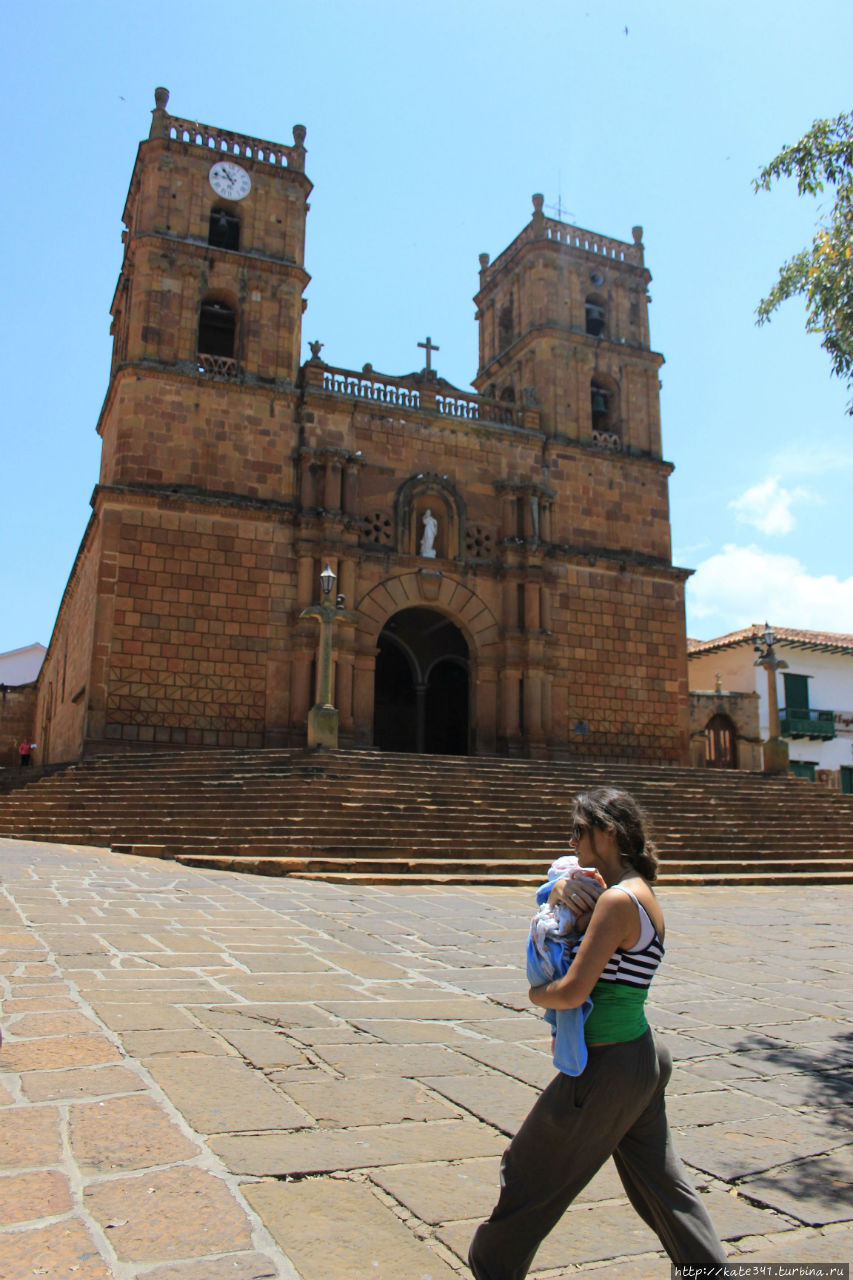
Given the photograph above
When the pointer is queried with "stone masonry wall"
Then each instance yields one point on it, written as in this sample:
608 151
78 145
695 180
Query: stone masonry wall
17 721
191 627
65 681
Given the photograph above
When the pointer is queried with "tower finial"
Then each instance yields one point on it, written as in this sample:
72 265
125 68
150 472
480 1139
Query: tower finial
158 115
538 216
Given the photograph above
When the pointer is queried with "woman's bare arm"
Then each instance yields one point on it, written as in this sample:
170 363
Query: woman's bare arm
613 925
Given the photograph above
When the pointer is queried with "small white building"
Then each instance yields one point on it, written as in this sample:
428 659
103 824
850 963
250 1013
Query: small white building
815 693
21 666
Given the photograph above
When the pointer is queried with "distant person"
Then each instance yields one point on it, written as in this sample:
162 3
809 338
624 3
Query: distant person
25 754
614 1104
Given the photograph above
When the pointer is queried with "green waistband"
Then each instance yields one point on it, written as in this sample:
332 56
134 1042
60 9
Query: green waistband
617 1013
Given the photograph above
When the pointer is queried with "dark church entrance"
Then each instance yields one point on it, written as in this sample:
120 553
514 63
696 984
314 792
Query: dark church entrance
421 689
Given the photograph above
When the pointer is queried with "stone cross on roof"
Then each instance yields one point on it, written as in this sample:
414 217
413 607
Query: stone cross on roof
429 348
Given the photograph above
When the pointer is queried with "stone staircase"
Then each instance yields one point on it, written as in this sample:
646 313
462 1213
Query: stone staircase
380 818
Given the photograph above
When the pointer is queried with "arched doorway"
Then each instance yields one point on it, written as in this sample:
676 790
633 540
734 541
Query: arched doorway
421 685
721 742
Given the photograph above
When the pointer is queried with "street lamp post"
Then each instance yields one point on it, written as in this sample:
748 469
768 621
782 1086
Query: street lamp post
775 748
323 716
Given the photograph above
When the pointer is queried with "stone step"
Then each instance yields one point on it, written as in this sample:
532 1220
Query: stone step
393 814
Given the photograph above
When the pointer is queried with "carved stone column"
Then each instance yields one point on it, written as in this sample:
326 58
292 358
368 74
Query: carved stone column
349 499
532 620
307 495
301 693
364 676
510 707
305 581
332 488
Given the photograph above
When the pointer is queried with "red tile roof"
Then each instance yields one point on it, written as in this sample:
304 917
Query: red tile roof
829 641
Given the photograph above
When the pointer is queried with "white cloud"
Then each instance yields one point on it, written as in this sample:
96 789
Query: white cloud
741 585
823 455
767 506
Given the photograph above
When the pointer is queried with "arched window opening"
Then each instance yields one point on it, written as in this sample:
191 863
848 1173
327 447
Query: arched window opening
601 400
508 394
595 316
506 325
224 230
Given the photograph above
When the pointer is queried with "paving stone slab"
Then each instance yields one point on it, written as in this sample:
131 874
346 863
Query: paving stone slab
453 1009
357 1061
310 1151
488 1096
288 1014
235 1266
266 1048
364 966
26 1197
409 1031
831 1245
223 1095
60 1051
366 1237
752 1146
125 1133
815 1191
144 1016
79 1082
831 1091
444 1190
146 1044
172 1213
29 1137
586 1233
287 988
58 1251
531 1066
341 1104
31 1025
47 1004
729 1105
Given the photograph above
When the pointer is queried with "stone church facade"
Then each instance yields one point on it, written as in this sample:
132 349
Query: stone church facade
504 554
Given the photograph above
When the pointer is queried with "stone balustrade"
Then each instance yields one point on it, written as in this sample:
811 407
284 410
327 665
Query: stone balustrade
381 389
477 409
371 386
607 440
574 238
239 145
219 366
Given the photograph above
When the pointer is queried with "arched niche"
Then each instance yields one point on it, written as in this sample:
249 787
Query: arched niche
434 494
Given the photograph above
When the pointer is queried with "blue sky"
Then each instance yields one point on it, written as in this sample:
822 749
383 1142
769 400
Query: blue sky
429 127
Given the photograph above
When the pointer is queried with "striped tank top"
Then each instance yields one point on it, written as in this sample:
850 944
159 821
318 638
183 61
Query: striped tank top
620 993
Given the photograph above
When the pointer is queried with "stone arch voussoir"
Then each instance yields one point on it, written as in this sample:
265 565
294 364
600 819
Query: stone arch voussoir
431 590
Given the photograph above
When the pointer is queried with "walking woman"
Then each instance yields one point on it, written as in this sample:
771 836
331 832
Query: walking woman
615 1106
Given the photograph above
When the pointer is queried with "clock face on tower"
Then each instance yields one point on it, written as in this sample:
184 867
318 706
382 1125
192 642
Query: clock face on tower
230 180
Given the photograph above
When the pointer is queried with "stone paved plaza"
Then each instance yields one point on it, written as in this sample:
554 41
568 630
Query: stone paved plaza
210 1076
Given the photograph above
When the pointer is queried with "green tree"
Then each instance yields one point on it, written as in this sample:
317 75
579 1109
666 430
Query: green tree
823 273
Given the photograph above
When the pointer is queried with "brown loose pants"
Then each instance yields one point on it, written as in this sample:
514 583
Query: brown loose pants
614 1107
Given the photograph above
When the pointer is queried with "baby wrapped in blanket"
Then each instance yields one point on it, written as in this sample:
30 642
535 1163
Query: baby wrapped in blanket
553 934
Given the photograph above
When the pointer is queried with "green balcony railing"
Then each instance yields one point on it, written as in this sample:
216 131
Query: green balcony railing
806 722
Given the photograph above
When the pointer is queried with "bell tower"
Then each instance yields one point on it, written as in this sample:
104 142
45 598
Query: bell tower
563 316
210 290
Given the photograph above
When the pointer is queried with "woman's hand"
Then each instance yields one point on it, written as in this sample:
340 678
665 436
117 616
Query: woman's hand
579 895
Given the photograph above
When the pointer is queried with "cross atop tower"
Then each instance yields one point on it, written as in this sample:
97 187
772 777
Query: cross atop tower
429 348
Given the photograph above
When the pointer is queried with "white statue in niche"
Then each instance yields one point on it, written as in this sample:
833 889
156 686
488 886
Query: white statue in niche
428 540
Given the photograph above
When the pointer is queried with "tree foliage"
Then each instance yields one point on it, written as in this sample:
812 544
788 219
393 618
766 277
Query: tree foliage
823 273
